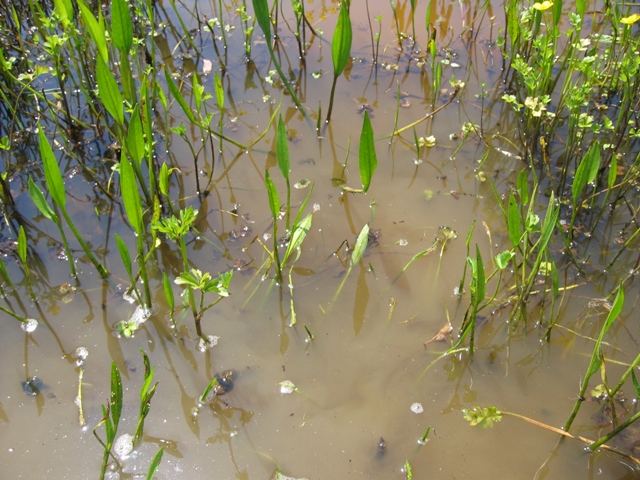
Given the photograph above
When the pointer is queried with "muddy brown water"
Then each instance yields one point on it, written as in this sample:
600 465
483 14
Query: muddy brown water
366 365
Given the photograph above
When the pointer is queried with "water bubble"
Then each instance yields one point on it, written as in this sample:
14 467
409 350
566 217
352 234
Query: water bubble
30 325
211 342
417 408
123 446
287 387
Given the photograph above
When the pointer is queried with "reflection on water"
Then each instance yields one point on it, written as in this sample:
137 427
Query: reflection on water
360 357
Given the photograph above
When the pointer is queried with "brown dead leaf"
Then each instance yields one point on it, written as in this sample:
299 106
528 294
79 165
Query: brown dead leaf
443 335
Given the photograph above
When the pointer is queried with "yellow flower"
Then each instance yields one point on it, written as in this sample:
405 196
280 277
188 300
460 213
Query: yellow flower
543 6
631 19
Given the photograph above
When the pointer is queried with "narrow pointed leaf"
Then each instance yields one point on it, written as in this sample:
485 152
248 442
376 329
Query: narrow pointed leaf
367 154
116 395
38 199
282 149
480 278
155 464
109 92
173 88
95 29
217 84
131 195
124 254
52 173
121 25
274 202
135 139
513 221
342 38
587 171
361 245
261 9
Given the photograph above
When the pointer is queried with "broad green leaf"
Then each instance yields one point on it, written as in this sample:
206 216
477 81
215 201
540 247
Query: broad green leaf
131 195
164 180
155 463
121 25
197 90
38 199
124 255
135 139
52 173
274 202
109 92
361 245
173 88
95 29
587 171
282 149
342 37
513 221
261 9
116 395
367 153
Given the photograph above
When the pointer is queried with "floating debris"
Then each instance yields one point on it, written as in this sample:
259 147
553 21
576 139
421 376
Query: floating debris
287 387
417 408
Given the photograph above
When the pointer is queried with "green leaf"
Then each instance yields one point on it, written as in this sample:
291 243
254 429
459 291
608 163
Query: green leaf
168 291
22 246
367 153
483 417
64 9
207 390
361 245
121 25
135 139
502 259
217 84
549 223
587 171
274 202
116 396
124 255
522 184
131 195
109 92
513 221
173 88
95 29
261 9
297 237
613 172
38 199
342 37
52 173
282 149
164 180
155 463
479 279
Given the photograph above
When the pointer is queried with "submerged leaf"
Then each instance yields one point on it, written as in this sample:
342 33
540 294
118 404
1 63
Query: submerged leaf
483 417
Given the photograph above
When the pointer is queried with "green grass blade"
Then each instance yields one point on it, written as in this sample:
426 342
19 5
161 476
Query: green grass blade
52 173
41 203
22 246
131 195
155 463
121 25
549 223
342 38
168 291
95 29
367 153
109 92
361 246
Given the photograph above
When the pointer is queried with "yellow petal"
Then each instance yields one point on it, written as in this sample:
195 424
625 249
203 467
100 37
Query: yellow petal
543 6
631 19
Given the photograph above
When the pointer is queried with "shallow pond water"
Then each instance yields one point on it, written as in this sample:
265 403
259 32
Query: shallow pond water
358 380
